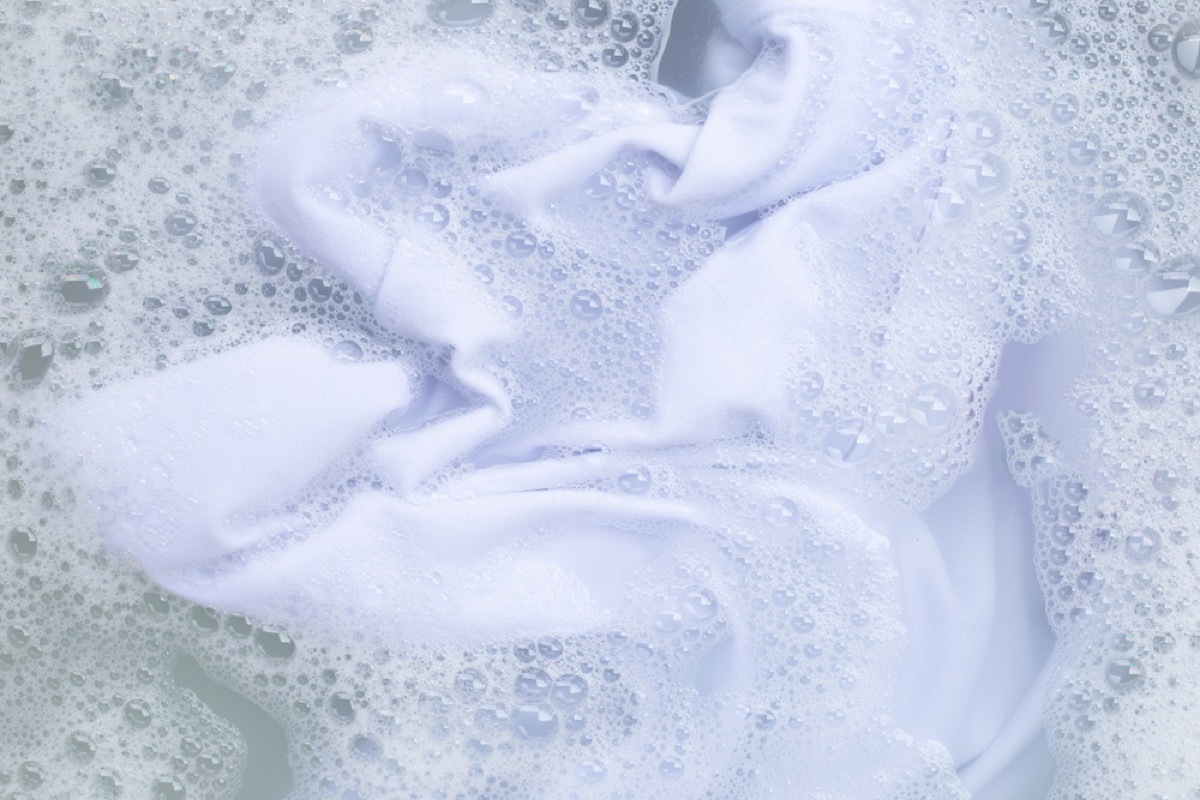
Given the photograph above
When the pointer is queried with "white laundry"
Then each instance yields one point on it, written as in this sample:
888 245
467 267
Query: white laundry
490 525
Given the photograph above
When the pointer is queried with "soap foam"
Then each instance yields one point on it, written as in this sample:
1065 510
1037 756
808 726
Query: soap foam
1050 147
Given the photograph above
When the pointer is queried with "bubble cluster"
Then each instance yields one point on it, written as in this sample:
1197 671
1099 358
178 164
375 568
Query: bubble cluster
1055 152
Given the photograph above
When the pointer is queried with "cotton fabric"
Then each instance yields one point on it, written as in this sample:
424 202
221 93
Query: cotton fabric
196 471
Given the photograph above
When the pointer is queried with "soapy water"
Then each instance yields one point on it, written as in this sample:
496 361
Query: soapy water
1044 154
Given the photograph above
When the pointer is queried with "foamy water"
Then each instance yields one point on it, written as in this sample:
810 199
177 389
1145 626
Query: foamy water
491 420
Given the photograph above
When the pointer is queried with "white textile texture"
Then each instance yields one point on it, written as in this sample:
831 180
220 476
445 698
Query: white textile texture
485 522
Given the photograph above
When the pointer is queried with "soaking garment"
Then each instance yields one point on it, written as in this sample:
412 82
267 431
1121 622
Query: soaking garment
793 609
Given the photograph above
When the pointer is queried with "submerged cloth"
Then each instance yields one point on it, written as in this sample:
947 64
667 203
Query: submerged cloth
205 472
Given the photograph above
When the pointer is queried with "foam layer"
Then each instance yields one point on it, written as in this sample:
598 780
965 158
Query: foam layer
737 424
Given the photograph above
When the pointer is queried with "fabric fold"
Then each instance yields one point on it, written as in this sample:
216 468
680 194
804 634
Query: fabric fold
469 537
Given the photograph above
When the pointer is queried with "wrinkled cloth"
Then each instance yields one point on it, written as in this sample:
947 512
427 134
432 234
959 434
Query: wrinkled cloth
197 471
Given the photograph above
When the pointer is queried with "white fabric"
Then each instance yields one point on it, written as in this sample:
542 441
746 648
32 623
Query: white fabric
196 471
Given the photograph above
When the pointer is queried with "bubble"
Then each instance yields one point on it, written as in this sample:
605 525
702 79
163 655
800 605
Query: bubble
981 128
217 305
352 39
624 27
1159 38
550 647
365 746
346 351
23 542
205 619
943 202
634 482
586 305
614 55
591 771
122 259
1118 216
1052 30
1089 581
574 106
1150 394
1165 479
848 442
269 256
590 13
100 172
137 713
81 747
179 222
600 186
1185 49
1083 150
168 787
699 603
319 290
1174 291
512 306
113 90
83 287
1065 108
109 783
470 684
461 13
891 421
932 406
275 644
32 354
31 774
218 76
569 691
6 131
780 512
811 385
341 706
520 244
671 768
535 721
434 216
983 176
1142 544
1016 238
1125 674
1135 258
532 684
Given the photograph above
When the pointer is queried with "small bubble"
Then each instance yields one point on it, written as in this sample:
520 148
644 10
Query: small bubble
85 286
1142 544
1125 674
569 691
1119 216
100 172
671 768
180 222
353 39
586 305
535 721
217 76
532 684
23 542
275 644
137 713
699 603
461 13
